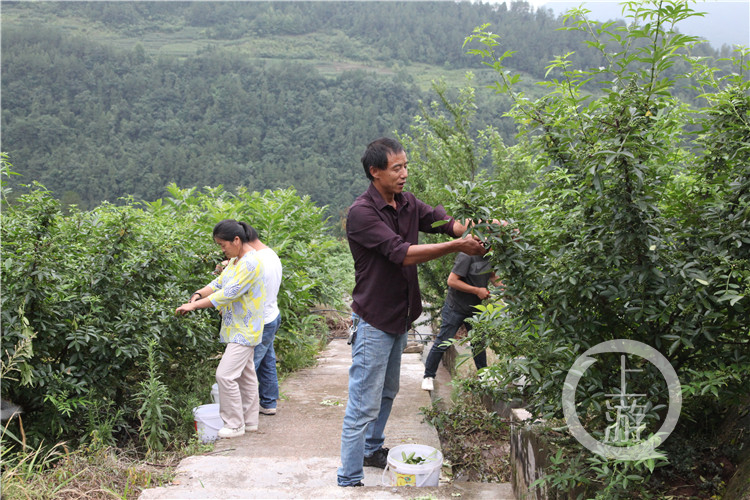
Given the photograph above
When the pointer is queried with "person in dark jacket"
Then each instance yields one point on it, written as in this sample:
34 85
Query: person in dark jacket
467 287
383 228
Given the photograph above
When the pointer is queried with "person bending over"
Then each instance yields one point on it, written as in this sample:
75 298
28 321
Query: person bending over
239 293
467 287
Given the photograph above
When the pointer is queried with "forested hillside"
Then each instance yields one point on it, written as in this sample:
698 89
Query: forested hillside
626 192
103 100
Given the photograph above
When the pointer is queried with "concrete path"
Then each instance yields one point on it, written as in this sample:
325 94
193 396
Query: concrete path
295 453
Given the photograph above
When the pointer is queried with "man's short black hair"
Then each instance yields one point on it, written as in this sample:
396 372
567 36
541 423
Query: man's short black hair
376 154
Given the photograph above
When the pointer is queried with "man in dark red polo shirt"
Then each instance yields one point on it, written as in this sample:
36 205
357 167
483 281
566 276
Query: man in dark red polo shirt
383 228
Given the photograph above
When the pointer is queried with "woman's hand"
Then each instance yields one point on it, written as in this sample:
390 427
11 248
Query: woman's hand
185 308
220 267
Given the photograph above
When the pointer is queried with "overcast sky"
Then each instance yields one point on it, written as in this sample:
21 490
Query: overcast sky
726 21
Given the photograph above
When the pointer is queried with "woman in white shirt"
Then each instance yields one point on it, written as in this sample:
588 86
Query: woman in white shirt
265 355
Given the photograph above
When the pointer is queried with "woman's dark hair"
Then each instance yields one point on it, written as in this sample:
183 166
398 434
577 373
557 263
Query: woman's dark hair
376 154
229 228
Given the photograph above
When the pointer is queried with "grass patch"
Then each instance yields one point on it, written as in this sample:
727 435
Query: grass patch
90 473
474 441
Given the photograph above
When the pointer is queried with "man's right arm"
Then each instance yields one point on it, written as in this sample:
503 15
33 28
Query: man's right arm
417 254
366 228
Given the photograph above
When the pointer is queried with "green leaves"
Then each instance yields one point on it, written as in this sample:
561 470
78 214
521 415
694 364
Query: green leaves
636 230
411 459
89 297
450 160
155 411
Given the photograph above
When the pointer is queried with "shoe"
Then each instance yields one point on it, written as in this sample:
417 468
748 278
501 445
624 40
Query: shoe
267 411
228 432
428 384
250 428
359 483
378 459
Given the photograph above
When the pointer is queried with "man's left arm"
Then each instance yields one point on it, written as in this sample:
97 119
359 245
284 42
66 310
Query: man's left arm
459 228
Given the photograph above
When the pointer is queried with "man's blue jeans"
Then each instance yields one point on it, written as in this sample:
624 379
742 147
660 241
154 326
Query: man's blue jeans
265 365
373 384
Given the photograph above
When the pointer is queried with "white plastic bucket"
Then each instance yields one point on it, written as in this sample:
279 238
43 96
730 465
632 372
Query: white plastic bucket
215 393
208 422
426 473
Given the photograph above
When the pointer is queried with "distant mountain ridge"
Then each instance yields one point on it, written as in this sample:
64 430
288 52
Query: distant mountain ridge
109 99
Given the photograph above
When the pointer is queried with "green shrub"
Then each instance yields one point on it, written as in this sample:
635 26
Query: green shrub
155 411
638 228
93 287
96 288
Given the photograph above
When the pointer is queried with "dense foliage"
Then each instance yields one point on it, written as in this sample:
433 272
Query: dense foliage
638 229
628 199
446 150
374 24
92 347
95 124
247 94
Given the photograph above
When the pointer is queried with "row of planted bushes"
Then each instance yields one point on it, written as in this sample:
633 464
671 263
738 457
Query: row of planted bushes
634 225
91 346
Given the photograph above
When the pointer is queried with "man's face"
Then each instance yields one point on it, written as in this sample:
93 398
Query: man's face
392 180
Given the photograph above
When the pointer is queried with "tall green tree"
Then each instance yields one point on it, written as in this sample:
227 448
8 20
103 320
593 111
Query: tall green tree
448 151
637 230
